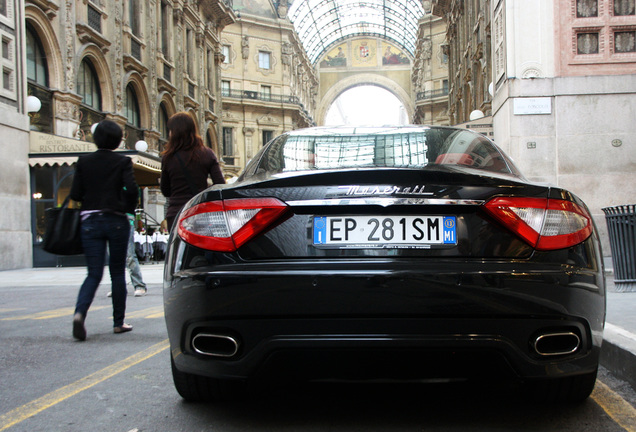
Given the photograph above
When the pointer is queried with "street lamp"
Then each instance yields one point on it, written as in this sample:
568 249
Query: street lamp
33 104
141 146
476 115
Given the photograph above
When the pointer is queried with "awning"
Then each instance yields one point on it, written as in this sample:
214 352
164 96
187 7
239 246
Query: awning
139 161
147 168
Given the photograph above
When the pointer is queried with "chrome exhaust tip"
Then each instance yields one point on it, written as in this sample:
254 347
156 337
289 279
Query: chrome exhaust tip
556 344
215 345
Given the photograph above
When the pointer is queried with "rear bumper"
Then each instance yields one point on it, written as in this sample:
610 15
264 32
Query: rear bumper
385 321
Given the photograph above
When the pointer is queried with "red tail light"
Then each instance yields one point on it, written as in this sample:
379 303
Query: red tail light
545 224
227 225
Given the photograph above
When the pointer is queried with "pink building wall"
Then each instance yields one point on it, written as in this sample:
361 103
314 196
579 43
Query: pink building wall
595 37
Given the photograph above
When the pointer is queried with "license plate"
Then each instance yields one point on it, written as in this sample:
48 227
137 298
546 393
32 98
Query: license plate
384 231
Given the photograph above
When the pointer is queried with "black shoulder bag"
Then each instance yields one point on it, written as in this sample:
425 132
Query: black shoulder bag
62 235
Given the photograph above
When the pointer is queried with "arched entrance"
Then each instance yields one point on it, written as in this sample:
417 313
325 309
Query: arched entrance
366 105
364 61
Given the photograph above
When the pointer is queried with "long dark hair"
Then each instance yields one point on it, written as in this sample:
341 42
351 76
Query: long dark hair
183 135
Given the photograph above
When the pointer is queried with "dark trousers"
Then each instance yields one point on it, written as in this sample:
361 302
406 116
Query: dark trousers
98 231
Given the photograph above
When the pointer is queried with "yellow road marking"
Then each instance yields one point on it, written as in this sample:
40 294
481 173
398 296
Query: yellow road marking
152 312
36 406
53 313
5 310
615 406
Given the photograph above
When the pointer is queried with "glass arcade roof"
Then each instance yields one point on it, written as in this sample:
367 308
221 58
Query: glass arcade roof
321 23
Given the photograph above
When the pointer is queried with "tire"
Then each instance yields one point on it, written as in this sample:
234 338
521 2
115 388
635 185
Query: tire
196 388
574 389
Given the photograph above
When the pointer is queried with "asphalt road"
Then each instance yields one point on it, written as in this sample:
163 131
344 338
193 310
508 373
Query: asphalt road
123 383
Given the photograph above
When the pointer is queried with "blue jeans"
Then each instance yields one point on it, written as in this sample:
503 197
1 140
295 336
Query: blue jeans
98 231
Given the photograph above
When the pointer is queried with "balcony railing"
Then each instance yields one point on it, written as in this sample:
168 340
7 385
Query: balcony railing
431 94
265 97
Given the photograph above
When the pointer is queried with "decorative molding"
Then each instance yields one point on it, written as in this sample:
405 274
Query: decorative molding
86 34
49 7
267 120
132 64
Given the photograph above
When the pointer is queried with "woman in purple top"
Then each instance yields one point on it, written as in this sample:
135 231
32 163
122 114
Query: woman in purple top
186 164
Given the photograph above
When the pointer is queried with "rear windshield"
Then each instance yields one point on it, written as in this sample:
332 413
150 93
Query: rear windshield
423 148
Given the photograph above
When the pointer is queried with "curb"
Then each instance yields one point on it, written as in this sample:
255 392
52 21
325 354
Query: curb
618 353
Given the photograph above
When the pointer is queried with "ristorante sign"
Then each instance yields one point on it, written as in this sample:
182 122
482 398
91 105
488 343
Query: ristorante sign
45 143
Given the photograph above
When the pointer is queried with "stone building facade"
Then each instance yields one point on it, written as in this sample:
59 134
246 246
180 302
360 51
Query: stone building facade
468 47
15 229
430 73
564 91
267 82
134 62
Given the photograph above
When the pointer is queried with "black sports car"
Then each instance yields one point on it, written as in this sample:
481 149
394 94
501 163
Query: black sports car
400 253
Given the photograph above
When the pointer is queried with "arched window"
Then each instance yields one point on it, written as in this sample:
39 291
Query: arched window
132 107
132 130
38 81
37 70
88 85
163 126
163 121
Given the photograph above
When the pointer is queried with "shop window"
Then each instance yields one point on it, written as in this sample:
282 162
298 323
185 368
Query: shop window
50 186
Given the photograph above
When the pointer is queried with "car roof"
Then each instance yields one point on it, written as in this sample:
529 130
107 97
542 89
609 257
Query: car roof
362 130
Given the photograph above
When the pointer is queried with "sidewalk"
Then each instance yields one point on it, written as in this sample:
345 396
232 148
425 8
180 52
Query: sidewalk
619 346
61 276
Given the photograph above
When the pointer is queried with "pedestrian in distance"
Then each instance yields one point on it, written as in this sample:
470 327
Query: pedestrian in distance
186 164
132 263
105 185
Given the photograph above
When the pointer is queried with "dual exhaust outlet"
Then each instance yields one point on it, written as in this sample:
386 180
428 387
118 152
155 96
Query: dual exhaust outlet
546 344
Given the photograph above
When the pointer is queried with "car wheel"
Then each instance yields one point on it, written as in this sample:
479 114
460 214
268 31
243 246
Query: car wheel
196 388
573 389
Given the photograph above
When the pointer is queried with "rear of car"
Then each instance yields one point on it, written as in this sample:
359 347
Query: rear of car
384 253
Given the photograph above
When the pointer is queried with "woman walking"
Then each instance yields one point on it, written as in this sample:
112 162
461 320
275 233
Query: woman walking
105 185
185 165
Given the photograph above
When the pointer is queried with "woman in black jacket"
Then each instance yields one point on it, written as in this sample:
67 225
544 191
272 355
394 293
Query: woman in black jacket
185 165
105 185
